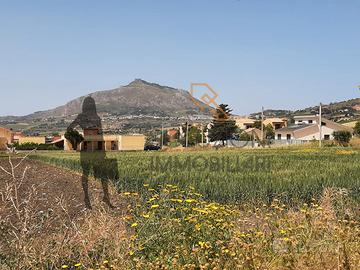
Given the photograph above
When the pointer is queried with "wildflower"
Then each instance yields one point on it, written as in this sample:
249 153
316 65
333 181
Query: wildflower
200 211
190 200
134 225
145 215
78 265
286 239
146 185
64 266
201 244
282 231
152 199
176 200
154 206
127 193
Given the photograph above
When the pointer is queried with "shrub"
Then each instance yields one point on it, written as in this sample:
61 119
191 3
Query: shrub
342 137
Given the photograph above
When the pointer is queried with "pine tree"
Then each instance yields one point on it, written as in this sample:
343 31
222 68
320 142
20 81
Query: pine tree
222 126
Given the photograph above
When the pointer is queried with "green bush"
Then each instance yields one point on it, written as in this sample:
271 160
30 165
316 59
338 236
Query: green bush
342 137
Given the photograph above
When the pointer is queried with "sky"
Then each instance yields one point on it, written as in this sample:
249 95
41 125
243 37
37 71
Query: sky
276 54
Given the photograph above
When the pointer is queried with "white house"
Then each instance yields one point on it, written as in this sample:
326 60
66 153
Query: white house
307 128
306 119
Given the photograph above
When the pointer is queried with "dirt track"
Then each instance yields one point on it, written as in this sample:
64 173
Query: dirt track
55 187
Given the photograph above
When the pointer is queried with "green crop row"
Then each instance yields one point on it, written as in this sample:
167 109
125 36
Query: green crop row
231 176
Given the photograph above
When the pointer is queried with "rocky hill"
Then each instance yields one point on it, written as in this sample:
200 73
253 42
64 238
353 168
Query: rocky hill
137 98
137 106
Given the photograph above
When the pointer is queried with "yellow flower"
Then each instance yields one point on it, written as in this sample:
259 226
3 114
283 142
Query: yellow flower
64 267
154 206
127 193
152 199
77 265
282 231
200 211
146 185
145 215
201 244
286 239
190 200
134 225
176 200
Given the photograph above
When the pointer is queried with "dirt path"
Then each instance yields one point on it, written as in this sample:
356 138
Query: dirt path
55 187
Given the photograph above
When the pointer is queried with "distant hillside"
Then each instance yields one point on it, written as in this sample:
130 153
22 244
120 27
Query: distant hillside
343 111
137 98
141 106
132 108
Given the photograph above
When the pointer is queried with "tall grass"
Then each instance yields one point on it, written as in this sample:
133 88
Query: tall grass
294 175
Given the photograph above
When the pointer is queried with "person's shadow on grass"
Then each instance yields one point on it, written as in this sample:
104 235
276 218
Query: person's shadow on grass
92 151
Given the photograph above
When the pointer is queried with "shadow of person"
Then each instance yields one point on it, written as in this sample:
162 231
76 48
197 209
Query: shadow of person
92 150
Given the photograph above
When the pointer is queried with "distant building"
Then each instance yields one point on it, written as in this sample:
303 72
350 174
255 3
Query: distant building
16 136
244 123
6 137
172 133
306 119
276 123
306 128
31 139
133 142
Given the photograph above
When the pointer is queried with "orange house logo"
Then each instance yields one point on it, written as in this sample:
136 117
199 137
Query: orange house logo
207 95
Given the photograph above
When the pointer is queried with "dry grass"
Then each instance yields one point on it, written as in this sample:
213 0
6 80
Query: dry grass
166 227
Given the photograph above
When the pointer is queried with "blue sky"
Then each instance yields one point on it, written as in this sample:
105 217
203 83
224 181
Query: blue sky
276 54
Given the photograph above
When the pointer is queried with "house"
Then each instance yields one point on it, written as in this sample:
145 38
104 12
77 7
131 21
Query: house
306 119
276 123
133 142
307 129
31 139
6 137
244 123
172 133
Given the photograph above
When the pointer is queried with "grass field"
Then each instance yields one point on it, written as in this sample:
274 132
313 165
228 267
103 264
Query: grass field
235 176
295 208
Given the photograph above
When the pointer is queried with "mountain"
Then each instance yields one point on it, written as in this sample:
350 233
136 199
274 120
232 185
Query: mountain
141 106
137 98
137 106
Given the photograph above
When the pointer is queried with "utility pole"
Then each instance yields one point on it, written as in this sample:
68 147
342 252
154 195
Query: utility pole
162 135
187 135
320 125
262 124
